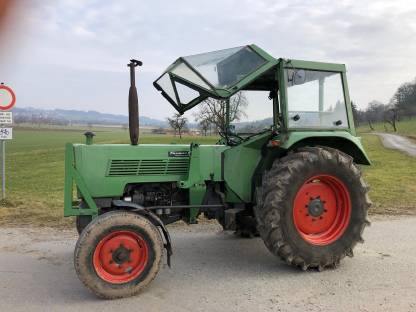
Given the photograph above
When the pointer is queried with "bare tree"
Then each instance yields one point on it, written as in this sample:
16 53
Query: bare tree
405 99
355 114
214 111
370 125
375 113
204 125
178 124
391 116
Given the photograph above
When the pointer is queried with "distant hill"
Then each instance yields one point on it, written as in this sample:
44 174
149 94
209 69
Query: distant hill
71 116
253 126
64 116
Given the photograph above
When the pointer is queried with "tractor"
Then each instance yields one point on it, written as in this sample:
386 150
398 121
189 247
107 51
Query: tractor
295 183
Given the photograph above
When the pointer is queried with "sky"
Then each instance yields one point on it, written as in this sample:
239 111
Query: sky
72 54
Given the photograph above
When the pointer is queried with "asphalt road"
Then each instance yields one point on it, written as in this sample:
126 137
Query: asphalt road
398 142
216 271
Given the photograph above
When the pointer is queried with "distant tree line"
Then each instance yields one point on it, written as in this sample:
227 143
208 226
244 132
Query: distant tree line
39 119
401 106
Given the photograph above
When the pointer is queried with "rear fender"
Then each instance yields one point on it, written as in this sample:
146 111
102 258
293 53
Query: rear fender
344 142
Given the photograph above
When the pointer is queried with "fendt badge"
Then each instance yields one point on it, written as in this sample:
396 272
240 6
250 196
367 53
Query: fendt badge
178 154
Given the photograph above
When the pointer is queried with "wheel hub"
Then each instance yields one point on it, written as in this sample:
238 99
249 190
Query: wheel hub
121 255
316 207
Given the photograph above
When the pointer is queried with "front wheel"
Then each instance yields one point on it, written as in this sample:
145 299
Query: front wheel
81 223
313 207
118 254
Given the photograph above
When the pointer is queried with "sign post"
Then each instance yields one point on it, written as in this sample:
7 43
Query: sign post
3 170
7 101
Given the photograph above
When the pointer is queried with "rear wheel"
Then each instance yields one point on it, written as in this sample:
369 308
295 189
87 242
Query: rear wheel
118 254
313 207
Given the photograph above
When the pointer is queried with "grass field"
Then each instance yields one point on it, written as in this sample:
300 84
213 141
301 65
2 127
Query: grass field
35 173
404 127
391 178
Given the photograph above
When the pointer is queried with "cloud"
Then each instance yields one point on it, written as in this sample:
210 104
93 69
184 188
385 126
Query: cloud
71 38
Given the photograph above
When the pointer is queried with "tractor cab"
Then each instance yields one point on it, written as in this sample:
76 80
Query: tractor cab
302 96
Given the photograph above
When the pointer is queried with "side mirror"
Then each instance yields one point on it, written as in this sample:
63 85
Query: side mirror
299 77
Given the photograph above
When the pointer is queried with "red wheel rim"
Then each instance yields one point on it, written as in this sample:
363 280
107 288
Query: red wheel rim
322 209
120 257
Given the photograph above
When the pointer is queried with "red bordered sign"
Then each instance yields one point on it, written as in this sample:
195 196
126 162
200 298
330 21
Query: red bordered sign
8 92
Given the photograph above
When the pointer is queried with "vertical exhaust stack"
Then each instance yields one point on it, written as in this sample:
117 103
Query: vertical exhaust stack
133 104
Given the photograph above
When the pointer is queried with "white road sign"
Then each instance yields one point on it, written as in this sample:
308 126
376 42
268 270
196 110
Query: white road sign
6 133
6 118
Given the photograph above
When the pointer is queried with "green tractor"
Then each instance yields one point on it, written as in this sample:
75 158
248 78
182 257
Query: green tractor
295 183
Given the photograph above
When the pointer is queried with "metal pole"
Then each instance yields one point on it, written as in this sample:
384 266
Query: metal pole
3 168
321 94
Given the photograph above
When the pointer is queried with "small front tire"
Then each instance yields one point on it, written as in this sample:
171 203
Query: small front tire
118 254
81 223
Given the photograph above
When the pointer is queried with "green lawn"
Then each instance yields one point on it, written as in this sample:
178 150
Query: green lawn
35 173
391 178
405 127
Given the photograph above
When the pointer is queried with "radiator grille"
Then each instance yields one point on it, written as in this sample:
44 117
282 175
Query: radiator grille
177 166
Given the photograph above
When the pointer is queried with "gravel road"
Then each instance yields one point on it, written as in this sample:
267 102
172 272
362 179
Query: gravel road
216 271
398 142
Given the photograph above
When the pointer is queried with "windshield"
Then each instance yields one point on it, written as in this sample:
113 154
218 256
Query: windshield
315 99
219 74
224 68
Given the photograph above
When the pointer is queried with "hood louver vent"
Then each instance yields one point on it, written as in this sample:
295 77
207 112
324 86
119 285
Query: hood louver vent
148 167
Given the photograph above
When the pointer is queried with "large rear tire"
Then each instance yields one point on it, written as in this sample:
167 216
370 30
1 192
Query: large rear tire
312 207
118 254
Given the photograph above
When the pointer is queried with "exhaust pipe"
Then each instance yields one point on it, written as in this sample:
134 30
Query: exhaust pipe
133 104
